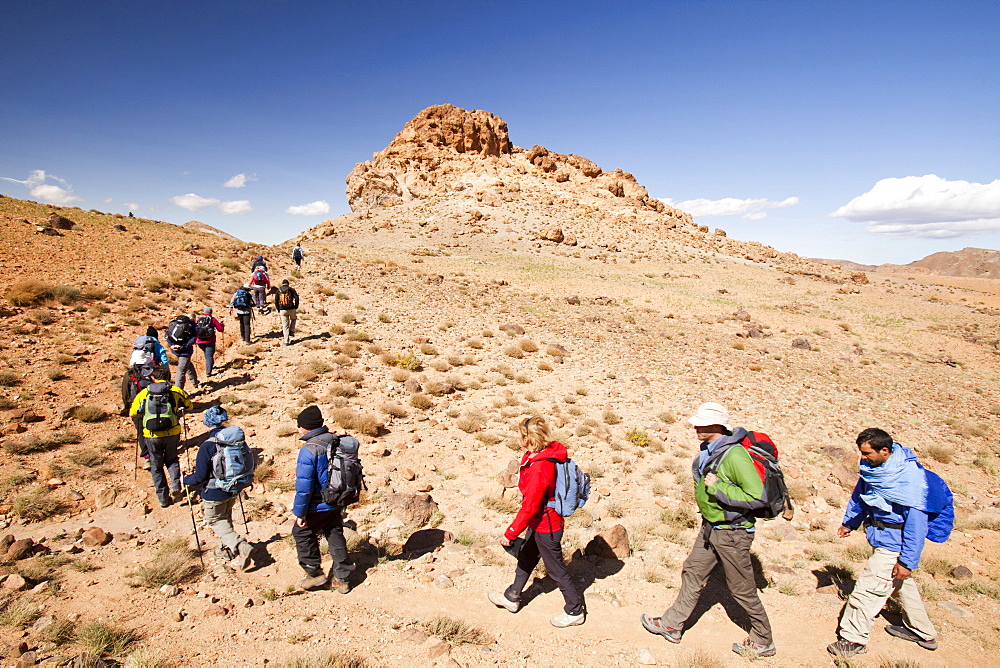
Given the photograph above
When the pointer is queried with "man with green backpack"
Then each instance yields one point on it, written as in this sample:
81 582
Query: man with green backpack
160 406
225 467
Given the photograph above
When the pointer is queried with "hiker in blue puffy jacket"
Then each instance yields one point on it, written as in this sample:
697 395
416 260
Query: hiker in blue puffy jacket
315 519
233 548
183 352
900 504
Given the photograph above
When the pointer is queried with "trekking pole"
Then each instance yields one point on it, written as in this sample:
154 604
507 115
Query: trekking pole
187 448
135 471
246 526
194 525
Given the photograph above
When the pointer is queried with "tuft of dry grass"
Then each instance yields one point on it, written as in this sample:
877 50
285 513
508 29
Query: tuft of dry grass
940 453
500 504
105 639
471 421
172 565
90 413
513 351
527 345
327 660
421 401
9 378
36 505
457 631
394 410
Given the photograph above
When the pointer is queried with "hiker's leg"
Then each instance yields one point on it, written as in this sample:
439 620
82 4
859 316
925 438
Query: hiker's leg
140 439
244 326
172 461
293 316
527 559
333 528
182 363
694 574
871 591
914 615
733 550
550 548
307 548
155 446
219 518
285 326
209 350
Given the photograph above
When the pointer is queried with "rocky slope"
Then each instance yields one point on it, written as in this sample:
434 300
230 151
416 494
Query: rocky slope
615 339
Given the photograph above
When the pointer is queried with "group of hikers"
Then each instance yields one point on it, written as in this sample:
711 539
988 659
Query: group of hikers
253 295
736 476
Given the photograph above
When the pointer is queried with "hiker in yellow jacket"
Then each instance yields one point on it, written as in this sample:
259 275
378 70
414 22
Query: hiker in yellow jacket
160 406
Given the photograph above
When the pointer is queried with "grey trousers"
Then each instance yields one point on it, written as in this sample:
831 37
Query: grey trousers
219 518
288 319
184 369
873 588
732 548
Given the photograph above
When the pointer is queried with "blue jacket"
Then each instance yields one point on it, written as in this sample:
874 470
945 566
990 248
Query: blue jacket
312 472
159 352
908 541
186 349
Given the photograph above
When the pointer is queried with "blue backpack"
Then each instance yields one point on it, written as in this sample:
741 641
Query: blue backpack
940 524
232 466
242 298
572 487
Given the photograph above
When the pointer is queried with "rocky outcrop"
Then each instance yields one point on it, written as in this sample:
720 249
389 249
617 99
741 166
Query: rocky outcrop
202 227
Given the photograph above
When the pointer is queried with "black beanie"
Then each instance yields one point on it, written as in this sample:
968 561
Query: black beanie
151 331
310 418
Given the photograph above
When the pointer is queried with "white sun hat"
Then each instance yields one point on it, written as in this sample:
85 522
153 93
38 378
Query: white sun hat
711 413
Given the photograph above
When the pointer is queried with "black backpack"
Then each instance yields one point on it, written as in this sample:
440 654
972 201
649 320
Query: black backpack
159 412
203 328
345 475
180 330
137 377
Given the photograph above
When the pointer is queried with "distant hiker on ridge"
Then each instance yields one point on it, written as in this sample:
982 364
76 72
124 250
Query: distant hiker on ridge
286 303
900 504
244 310
727 486
160 406
298 255
225 466
543 525
205 328
258 262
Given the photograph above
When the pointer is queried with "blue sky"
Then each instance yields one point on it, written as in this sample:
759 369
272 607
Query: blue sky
762 118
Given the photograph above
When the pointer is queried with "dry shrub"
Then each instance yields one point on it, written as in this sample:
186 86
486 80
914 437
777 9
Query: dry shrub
394 410
351 375
29 293
407 361
513 351
172 565
440 365
155 283
544 366
489 437
357 335
500 504
105 639
351 420
940 453
36 505
421 401
40 316
471 422
89 413
456 631
610 417
428 349
343 390
9 378
555 351
88 457
400 375
527 345
318 366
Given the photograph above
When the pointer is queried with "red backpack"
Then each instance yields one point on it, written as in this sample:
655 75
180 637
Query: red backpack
764 455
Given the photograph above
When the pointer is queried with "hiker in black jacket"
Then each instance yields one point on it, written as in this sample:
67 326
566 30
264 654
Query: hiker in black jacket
286 303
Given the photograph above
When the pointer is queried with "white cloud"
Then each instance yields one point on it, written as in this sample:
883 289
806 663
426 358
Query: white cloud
235 207
238 181
317 208
926 206
107 200
131 206
749 209
47 192
193 202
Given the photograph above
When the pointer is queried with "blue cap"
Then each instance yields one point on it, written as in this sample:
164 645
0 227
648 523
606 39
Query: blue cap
215 416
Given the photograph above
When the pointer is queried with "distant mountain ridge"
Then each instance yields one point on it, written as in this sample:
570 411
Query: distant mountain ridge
966 263
202 227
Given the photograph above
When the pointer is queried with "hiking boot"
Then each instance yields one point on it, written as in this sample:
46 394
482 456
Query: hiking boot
311 582
564 619
177 494
845 648
748 649
339 586
656 625
166 503
242 560
500 600
222 554
906 634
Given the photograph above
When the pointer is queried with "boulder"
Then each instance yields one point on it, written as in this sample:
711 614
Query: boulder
94 537
6 542
961 573
105 497
426 540
59 222
512 329
20 549
413 509
610 544
553 234
15 582
802 343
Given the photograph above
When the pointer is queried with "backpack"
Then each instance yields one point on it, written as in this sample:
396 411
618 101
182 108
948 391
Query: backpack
232 466
203 328
572 487
285 300
259 276
940 524
297 253
345 475
159 413
180 330
142 350
137 377
764 455
242 298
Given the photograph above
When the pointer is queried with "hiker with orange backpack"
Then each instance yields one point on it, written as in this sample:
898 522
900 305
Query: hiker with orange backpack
286 303
728 488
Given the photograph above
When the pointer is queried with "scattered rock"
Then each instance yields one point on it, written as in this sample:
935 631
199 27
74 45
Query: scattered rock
20 549
413 509
961 573
645 658
94 537
105 497
6 542
169 590
426 540
15 582
513 330
802 343
610 544
215 611
956 610
443 582
413 635
436 648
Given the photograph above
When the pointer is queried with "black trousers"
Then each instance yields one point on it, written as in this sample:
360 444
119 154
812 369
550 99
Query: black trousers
548 546
329 525
137 421
245 325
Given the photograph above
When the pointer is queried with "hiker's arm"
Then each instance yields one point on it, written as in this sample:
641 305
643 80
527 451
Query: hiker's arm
914 535
162 352
183 401
536 497
219 326
856 511
137 402
203 464
304 469
738 485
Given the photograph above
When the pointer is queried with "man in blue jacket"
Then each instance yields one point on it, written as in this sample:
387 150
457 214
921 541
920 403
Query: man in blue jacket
893 499
233 548
315 519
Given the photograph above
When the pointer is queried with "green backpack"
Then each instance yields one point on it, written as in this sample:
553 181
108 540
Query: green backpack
159 412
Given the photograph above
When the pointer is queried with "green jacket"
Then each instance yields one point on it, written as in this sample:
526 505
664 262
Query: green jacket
738 490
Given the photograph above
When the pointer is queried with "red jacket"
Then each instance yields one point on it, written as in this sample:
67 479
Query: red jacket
264 281
537 482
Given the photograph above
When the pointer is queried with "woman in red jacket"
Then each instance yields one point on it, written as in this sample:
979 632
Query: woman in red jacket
537 482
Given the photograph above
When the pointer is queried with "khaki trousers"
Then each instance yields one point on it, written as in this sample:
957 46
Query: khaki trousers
288 318
872 590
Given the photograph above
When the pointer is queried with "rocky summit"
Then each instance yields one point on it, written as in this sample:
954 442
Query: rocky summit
475 284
